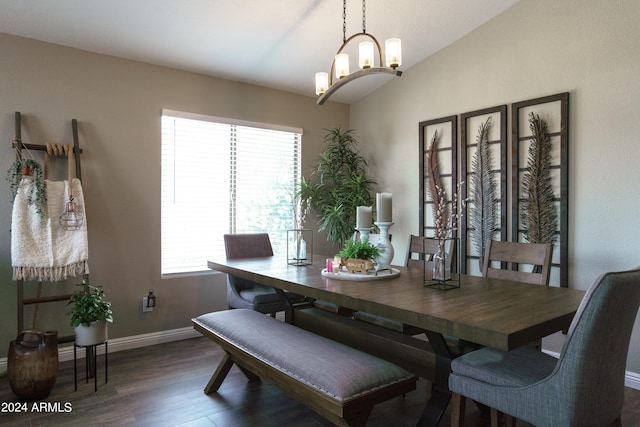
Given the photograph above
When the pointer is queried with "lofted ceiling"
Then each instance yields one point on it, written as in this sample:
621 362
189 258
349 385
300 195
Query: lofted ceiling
274 43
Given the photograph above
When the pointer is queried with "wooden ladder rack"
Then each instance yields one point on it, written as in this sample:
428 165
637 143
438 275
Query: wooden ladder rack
22 301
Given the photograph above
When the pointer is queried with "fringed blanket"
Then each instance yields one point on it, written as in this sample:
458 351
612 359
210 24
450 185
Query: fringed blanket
40 248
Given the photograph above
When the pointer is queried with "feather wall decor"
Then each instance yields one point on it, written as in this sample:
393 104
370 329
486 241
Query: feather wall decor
539 216
482 212
435 188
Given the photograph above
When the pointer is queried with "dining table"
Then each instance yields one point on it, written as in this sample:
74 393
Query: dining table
487 312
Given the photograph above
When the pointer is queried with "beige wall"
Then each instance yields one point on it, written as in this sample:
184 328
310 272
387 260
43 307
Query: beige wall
117 104
588 48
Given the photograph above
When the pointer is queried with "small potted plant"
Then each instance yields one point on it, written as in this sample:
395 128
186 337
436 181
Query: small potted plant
38 193
358 256
90 314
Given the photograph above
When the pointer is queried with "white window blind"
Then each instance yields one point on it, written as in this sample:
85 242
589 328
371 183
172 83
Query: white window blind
223 176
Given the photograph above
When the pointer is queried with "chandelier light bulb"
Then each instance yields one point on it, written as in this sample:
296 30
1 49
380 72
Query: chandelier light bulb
393 52
342 65
322 82
365 55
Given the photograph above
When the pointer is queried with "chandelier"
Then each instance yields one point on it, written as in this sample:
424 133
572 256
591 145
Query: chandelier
325 86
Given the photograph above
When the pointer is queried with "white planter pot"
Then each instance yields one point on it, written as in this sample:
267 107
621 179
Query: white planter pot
94 334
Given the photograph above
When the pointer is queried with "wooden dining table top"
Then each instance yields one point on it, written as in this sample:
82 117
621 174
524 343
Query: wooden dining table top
490 312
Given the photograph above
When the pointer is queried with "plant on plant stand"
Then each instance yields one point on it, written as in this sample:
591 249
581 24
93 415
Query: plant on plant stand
338 185
30 169
89 314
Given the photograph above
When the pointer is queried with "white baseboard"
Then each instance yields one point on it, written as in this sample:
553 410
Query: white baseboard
126 343
631 379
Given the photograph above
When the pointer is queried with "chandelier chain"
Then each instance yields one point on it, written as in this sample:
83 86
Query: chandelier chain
344 21
364 16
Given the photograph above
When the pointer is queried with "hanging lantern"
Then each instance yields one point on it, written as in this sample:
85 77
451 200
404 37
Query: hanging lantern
70 219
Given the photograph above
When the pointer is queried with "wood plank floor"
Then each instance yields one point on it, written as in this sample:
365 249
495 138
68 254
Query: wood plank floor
162 385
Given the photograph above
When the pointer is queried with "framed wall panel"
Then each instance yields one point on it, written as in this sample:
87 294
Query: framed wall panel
447 154
554 110
497 138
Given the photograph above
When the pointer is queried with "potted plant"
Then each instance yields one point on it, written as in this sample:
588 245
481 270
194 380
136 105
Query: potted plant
338 185
90 314
358 256
38 193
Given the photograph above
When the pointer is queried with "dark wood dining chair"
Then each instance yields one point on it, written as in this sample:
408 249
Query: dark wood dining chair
520 262
584 387
504 260
242 293
420 251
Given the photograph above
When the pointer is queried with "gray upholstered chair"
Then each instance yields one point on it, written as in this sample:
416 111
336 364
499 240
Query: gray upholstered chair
538 255
242 293
584 387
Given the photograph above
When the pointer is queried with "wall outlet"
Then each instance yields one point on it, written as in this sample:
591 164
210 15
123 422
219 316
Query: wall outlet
145 309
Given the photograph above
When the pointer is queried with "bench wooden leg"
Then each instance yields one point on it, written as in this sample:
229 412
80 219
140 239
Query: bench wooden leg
220 374
250 375
359 418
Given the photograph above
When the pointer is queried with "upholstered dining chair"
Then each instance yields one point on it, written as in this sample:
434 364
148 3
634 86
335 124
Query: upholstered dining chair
584 387
538 255
242 293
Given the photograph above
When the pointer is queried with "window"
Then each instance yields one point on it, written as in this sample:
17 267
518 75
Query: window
223 176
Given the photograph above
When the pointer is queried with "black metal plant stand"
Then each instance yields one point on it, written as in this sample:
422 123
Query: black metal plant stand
90 350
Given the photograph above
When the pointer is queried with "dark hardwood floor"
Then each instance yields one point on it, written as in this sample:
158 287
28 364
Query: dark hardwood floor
162 386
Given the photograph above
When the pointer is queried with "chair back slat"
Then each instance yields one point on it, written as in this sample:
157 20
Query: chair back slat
511 256
420 251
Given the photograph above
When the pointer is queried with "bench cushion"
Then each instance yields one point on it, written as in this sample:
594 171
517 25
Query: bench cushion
331 368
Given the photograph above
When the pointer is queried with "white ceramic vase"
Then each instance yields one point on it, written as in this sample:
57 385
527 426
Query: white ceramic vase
94 334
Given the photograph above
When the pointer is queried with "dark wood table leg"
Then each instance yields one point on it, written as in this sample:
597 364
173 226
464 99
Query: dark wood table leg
288 310
437 403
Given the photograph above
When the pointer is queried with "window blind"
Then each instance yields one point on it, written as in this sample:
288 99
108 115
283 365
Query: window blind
223 176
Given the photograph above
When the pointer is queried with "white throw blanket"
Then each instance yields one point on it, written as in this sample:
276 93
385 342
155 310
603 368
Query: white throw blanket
41 249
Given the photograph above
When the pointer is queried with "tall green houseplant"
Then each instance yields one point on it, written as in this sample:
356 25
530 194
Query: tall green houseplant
338 185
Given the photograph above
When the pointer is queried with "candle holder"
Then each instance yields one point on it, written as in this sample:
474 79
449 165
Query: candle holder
300 247
386 248
364 233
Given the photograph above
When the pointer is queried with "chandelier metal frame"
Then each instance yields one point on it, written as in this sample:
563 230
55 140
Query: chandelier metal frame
365 71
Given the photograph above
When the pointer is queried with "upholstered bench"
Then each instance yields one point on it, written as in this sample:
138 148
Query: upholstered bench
338 382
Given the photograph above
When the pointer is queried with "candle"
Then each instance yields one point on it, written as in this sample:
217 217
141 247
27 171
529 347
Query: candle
363 217
383 203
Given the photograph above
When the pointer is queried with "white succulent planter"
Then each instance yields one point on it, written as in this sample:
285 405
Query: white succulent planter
94 334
